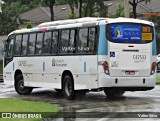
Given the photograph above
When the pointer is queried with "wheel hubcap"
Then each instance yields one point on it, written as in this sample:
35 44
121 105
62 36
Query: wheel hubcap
68 88
21 85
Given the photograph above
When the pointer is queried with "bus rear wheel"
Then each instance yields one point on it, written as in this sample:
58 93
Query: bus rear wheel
112 93
19 86
68 88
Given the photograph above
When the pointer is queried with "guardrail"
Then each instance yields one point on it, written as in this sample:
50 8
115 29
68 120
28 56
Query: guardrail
1 77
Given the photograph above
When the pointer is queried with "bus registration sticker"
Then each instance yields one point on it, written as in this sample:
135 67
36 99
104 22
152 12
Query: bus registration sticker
147 36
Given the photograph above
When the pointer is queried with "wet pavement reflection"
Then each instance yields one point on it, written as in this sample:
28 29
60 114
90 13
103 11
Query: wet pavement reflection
143 101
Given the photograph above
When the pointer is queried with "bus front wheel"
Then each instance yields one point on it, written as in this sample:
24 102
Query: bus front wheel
19 86
68 88
111 93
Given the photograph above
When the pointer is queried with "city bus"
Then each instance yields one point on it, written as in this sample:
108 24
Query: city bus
113 55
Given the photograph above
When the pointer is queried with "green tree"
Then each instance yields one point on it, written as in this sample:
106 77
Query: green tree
90 7
7 25
119 12
134 5
29 25
80 8
50 4
73 4
60 2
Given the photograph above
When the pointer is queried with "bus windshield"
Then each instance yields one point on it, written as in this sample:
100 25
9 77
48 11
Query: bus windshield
130 33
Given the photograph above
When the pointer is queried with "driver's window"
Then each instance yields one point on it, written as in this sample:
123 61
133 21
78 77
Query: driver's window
10 47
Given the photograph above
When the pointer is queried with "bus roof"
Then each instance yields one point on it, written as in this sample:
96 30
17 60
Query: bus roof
87 21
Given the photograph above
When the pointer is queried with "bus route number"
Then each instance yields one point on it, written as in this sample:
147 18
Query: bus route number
139 57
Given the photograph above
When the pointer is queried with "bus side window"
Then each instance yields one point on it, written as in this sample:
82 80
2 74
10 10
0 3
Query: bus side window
72 41
9 48
54 42
82 42
17 45
39 43
64 41
92 39
47 43
24 44
31 44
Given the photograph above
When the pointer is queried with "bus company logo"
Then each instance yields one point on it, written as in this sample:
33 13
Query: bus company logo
6 115
58 62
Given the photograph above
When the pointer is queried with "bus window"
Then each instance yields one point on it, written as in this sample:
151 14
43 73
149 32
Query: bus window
31 44
54 42
82 43
47 43
64 41
17 47
130 33
92 38
39 43
24 44
9 52
71 45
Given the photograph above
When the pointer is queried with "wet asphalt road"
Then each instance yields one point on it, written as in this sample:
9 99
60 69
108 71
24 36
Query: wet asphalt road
144 101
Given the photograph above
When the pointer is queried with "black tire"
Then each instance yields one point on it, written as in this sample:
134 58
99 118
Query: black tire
19 86
58 90
68 88
112 93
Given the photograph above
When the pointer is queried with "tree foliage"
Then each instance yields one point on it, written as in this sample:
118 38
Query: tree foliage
7 25
119 12
50 4
11 11
134 5
29 25
156 20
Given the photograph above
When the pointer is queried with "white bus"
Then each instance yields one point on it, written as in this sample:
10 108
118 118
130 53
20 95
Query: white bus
82 55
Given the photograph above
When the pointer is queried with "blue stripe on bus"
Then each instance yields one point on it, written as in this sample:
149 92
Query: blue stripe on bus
154 47
103 43
84 66
43 66
13 66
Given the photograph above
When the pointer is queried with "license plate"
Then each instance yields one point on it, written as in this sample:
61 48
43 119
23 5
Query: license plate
130 72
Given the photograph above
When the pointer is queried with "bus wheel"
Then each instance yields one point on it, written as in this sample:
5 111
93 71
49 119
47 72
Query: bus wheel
19 86
68 88
111 93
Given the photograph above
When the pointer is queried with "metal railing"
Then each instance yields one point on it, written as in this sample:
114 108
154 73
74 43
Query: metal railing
1 77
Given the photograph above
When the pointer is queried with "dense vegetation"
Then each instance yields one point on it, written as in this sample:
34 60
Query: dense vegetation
13 8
